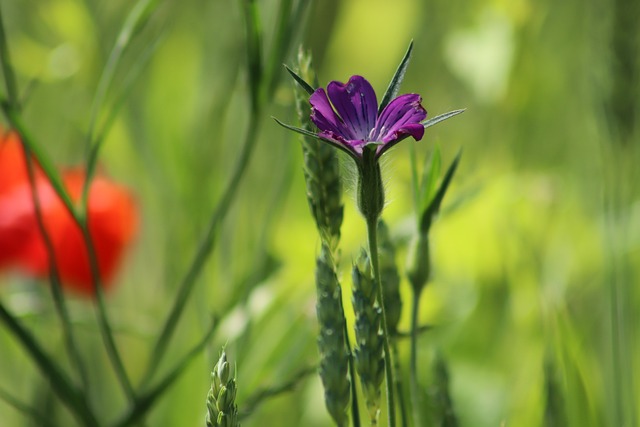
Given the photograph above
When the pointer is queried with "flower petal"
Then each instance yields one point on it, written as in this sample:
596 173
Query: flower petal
327 121
356 104
112 216
13 164
400 119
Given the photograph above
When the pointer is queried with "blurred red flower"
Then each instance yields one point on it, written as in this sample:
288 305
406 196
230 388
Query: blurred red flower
112 217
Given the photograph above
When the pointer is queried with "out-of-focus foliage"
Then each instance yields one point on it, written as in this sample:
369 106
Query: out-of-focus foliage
536 254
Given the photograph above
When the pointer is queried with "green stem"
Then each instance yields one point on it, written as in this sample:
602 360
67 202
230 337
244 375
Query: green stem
12 114
58 298
372 231
73 398
252 402
204 250
7 69
404 417
103 318
141 406
28 411
136 18
355 411
414 177
54 277
14 118
413 364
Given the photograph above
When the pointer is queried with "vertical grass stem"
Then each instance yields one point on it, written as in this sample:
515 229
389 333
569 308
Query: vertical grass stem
372 231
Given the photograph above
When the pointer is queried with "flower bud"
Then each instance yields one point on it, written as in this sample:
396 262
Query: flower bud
419 262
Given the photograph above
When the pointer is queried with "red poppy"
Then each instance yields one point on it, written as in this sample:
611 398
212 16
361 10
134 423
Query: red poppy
112 217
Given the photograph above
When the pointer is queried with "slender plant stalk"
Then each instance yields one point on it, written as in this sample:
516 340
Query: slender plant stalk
145 401
204 250
136 18
391 289
355 411
414 177
252 402
54 278
372 231
15 120
413 362
72 397
58 298
402 402
272 65
12 112
28 411
103 319
259 99
7 69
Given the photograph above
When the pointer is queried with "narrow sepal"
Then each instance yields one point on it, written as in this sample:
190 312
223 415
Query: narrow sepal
314 135
442 117
303 84
396 81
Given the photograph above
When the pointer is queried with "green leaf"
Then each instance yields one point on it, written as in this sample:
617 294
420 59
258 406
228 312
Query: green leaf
303 84
137 18
396 81
290 21
46 164
254 51
73 398
430 176
135 21
442 117
7 69
434 205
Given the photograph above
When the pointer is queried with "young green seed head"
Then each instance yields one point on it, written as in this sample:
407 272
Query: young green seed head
389 277
321 167
369 353
334 356
221 408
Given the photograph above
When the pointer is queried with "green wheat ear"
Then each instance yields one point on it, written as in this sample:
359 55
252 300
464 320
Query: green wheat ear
324 194
334 357
222 410
369 340
321 167
389 277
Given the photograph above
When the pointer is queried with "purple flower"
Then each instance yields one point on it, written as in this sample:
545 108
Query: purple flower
349 119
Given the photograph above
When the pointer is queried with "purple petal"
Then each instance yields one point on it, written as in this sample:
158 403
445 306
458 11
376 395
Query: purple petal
357 105
323 116
399 119
353 145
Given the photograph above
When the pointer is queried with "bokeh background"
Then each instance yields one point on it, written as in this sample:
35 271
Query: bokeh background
536 254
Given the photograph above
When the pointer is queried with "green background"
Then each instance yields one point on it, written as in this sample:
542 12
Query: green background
538 238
